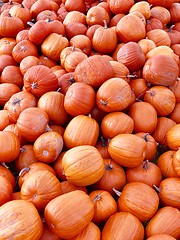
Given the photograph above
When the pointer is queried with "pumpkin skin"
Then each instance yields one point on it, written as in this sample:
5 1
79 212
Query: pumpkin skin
48 146
165 221
34 190
56 212
168 192
53 104
176 162
161 237
32 118
83 165
147 173
139 199
104 205
6 190
162 99
117 227
173 137
48 234
91 231
83 124
160 70
113 95
10 146
94 71
127 150
144 116
114 177
39 80
6 173
15 221
66 187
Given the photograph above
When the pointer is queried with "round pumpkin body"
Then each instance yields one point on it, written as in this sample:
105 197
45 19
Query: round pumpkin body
34 190
165 221
77 205
176 162
113 95
83 165
86 133
19 219
144 116
161 237
10 146
32 118
173 137
140 200
6 190
48 146
117 227
127 150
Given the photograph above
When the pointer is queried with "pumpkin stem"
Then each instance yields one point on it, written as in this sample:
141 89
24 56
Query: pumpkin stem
22 150
151 93
97 197
34 85
109 166
145 137
145 164
9 15
30 23
118 193
23 171
16 101
132 76
158 189
105 24
22 5
171 28
71 80
48 129
104 103
4 165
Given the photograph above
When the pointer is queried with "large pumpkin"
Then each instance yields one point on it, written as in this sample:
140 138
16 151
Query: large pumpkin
19 219
118 227
83 165
127 150
67 215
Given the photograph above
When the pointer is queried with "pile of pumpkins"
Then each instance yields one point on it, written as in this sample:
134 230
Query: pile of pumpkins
90 120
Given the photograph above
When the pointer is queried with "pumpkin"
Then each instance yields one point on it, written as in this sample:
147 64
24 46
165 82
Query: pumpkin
162 127
132 56
161 237
161 3
21 12
73 16
173 137
127 150
32 118
165 221
7 174
47 233
7 45
168 192
18 102
176 162
142 7
15 221
162 99
6 190
175 113
115 123
165 163
138 199
12 74
128 22
97 15
4 119
120 6
28 62
160 70
147 172
104 205
11 146
80 210
102 147
38 6
151 145
32 168
57 166
26 157
75 28
6 91
144 116
34 190
117 227
79 99
83 165
114 177
102 37
113 95
91 231
94 71
83 124
52 102
48 146
161 13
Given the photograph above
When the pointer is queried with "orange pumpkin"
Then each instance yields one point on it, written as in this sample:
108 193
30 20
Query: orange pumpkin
127 150
67 186
176 162
13 213
80 210
173 137
83 165
117 227
161 237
